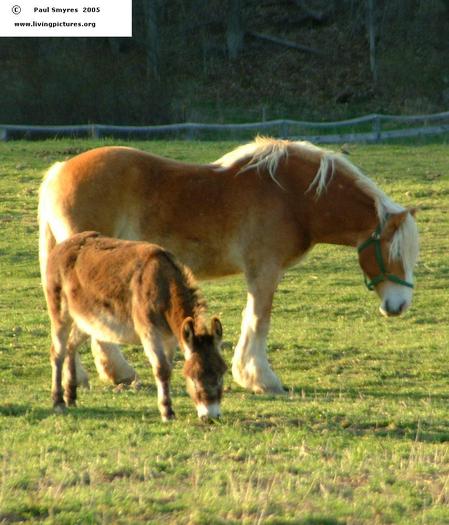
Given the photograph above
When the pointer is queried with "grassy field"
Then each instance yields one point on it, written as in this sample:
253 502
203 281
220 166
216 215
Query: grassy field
362 437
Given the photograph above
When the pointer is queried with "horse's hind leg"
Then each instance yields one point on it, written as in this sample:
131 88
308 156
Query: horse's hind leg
250 367
111 365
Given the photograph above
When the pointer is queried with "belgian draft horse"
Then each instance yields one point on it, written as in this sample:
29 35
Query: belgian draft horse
258 210
130 292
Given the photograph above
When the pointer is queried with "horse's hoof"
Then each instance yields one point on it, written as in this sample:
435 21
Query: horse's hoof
271 389
121 387
84 383
130 380
265 382
136 384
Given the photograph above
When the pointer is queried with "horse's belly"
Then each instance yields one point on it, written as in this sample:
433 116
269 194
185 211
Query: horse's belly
207 258
106 328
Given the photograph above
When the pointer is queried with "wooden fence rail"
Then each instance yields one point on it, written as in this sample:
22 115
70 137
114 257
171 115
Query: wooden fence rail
368 128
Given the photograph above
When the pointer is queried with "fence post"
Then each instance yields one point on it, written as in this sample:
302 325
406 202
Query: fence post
3 134
284 130
377 128
94 132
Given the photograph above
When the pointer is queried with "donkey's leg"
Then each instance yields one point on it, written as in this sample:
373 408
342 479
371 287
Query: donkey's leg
154 349
58 350
69 377
76 338
250 367
111 365
170 343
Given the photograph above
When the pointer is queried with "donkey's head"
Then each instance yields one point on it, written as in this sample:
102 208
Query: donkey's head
204 366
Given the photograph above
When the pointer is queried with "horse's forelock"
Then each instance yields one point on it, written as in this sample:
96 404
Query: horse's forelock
405 244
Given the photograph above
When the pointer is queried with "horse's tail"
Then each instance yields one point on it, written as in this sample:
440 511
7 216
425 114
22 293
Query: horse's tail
47 238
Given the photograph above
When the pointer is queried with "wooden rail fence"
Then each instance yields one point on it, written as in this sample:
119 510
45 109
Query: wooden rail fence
369 128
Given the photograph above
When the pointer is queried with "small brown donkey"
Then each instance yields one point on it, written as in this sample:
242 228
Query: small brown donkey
129 292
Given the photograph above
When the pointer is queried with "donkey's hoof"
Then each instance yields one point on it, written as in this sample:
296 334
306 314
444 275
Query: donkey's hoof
59 408
168 417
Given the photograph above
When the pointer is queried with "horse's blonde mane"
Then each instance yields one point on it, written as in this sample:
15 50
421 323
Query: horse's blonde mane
263 154
266 153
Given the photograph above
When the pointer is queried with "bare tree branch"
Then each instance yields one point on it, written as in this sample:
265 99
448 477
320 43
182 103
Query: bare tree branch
318 16
285 43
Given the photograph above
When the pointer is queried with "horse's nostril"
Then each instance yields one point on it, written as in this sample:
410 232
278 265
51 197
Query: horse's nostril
389 310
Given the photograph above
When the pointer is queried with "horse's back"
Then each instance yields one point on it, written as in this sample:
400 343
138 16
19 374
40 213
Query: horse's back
113 190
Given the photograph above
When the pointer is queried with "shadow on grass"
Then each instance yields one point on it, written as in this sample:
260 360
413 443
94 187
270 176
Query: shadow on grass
106 413
318 393
421 431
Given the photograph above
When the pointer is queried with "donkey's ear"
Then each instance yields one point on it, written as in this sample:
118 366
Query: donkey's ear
216 328
187 335
393 223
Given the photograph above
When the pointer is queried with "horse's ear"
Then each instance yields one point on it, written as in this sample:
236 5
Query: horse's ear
187 335
216 328
393 223
412 211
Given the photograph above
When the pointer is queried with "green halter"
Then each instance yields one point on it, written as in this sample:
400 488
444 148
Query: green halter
383 275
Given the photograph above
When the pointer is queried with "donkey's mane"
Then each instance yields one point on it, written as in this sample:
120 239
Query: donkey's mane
190 295
265 154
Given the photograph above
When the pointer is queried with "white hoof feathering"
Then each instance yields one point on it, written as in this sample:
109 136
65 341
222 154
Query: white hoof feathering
256 378
111 365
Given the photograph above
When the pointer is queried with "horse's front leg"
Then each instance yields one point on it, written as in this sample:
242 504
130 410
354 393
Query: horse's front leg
250 367
111 365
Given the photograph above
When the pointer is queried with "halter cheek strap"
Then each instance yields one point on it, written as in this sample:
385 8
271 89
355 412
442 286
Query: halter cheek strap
383 275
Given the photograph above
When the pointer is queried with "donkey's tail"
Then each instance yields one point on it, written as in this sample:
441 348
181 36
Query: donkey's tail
46 218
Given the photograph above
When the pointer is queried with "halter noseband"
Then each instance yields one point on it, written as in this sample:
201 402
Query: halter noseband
374 238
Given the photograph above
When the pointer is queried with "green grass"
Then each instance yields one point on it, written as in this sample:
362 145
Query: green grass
361 438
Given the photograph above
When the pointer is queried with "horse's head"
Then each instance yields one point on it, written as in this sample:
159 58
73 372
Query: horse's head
204 366
387 259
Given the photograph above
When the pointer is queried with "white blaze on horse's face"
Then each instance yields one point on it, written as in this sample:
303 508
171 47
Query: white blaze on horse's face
204 367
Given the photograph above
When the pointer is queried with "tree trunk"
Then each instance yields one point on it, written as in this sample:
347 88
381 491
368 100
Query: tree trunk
234 33
371 7
152 10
